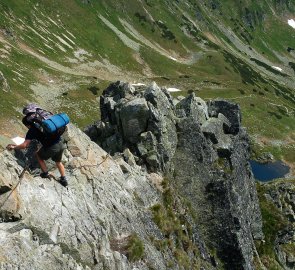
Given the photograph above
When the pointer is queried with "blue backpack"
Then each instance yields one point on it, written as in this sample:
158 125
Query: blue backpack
55 123
48 123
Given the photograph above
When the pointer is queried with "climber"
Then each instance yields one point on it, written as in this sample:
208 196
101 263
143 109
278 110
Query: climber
51 148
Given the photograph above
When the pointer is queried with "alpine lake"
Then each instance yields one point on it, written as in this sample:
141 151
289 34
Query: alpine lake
265 172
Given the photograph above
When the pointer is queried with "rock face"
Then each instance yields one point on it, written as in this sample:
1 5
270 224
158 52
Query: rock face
204 151
220 186
144 122
283 196
118 215
90 225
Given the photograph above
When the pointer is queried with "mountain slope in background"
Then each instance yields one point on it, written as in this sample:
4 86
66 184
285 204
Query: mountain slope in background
62 54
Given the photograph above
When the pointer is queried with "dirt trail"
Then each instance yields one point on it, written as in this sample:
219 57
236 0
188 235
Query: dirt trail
94 69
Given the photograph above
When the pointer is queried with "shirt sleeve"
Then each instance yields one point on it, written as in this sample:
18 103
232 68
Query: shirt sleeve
31 134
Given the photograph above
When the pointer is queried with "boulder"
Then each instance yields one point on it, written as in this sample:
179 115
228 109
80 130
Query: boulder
162 122
230 110
214 129
134 116
128 157
193 106
147 143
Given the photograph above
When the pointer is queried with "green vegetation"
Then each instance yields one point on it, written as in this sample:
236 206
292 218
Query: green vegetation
131 246
180 44
135 248
267 67
273 222
223 164
176 229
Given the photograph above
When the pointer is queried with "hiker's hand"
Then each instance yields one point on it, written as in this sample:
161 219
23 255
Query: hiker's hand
10 147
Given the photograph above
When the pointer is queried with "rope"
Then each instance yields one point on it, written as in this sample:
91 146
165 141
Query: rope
93 165
61 202
51 176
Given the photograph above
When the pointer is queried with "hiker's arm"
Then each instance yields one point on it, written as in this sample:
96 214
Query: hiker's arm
24 145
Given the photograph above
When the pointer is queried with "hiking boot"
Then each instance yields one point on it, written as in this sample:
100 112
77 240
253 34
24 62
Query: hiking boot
63 181
44 175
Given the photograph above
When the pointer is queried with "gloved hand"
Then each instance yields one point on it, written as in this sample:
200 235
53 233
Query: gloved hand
10 147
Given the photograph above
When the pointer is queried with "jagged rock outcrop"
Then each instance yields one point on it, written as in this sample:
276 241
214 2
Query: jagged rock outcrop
222 191
142 122
90 225
203 149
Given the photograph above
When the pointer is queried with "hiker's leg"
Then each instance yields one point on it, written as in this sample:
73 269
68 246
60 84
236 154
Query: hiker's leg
61 168
41 163
63 180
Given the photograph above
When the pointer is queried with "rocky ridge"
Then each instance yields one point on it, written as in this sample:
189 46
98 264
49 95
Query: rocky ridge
204 151
88 226
173 191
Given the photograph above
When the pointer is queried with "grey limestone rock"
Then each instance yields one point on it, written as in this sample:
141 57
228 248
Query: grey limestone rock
282 195
286 256
4 141
204 151
128 114
222 192
128 156
134 116
162 122
193 106
46 226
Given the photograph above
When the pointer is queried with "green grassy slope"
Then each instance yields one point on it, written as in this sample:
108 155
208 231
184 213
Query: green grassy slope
63 53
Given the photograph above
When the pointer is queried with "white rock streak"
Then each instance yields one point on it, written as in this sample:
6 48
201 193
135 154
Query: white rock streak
126 40
174 59
291 22
173 90
277 68
138 84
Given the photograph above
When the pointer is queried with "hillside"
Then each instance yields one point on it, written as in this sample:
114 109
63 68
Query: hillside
62 54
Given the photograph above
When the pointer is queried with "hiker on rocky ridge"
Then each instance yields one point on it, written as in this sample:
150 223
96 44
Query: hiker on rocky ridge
51 148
